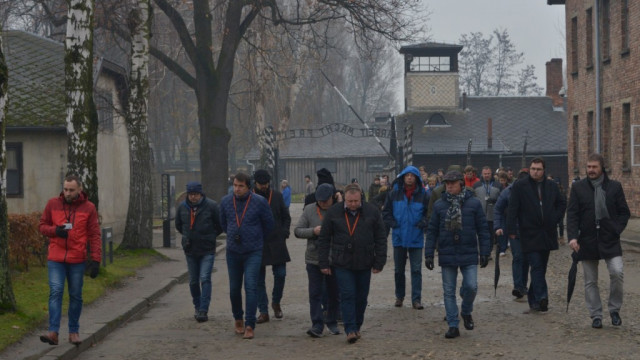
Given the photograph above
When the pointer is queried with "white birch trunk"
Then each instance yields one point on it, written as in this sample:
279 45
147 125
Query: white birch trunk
139 227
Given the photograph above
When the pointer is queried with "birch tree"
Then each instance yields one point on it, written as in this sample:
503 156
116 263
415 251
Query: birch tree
212 73
7 299
138 229
82 117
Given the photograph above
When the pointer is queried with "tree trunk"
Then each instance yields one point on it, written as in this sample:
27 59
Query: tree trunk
82 118
138 231
7 299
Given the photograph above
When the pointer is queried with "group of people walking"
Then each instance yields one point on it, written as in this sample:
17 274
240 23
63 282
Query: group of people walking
347 242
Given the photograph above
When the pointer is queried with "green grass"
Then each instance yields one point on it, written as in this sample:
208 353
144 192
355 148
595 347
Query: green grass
31 290
297 198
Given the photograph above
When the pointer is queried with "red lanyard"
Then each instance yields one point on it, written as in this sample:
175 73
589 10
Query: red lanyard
270 194
193 217
318 211
351 230
239 221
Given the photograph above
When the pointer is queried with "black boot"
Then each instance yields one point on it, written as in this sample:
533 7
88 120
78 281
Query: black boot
453 332
468 322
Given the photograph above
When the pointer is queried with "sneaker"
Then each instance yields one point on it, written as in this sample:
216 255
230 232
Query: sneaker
517 293
453 332
502 254
333 329
417 305
202 316
615 318
597 323
314 333
262 318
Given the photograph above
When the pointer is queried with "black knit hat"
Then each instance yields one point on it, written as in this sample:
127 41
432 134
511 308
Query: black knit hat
261 176
324 177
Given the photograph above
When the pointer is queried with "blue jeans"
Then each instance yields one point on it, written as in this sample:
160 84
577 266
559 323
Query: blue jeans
317 282
279 274
354 290
200 268
74 275
468 291
244 267
519 266
400 261
538 290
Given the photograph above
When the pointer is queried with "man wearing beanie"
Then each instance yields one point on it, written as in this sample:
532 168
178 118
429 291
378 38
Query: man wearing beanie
247 220
274 252
324 177
198 220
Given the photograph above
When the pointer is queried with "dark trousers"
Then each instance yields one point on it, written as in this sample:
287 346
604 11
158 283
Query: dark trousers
318 282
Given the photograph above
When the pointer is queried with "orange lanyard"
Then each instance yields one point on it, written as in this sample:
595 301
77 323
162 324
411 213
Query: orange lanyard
351 230
239 221
270 194
193 217
318 211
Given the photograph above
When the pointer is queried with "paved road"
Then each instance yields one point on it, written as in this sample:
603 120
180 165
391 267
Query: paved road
504 329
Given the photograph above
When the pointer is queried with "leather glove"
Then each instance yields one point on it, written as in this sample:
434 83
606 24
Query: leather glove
428 262
484 261
61 232
94 269
422 224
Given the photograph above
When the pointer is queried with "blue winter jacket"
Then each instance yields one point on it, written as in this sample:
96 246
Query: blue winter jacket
474 234
407 218
255 225
500 210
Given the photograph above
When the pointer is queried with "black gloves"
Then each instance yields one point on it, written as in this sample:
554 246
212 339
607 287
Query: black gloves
484 261
428 262
61 232
94 269
422 224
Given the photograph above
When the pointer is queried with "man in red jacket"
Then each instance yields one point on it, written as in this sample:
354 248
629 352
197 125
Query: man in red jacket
70 221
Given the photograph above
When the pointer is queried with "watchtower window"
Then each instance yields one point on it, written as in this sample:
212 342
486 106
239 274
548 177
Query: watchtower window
431 64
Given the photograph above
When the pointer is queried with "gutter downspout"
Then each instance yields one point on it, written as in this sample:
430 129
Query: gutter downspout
598 74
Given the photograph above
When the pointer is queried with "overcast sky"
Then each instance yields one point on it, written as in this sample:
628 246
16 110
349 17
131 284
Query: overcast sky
537 29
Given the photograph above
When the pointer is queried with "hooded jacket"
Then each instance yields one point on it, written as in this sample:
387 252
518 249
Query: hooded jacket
82 214
602 243
473 236
407 217
200 238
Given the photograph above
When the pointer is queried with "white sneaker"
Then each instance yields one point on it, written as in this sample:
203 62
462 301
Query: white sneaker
502 254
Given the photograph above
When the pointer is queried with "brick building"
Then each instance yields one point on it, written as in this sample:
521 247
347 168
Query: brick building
603 88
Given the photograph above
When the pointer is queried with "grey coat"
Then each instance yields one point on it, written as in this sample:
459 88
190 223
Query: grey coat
304 230
489 198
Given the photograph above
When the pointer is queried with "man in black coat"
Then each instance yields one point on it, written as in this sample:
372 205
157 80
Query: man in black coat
355 236
198 220
535 207
596 216
274 252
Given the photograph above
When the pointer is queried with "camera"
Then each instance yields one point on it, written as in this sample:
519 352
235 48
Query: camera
237 239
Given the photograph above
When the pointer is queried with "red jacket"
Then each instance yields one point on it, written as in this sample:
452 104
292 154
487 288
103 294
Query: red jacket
468 182
86 230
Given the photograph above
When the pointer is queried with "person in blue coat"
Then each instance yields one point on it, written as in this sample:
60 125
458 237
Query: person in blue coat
459 228
405 211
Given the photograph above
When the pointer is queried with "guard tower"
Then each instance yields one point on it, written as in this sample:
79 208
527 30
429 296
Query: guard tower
431 76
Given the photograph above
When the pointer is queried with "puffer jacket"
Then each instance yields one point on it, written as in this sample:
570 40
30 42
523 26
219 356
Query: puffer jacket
474 234
366 249
312 216
86 230
407 218
254 227
200 239
602 243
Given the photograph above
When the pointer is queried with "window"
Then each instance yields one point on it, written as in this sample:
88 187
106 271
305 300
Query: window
376 165
626 136
624 26
589 34
590 133
635 146
431 64
606 30
605 135
574 45
104 106
330 165
14 169
576 142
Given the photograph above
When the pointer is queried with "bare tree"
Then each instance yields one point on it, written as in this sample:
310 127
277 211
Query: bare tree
82 117
7 299
139 227
476 60
506 61
213 67
527 82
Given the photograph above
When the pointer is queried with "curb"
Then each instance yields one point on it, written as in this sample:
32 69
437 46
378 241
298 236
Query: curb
97 332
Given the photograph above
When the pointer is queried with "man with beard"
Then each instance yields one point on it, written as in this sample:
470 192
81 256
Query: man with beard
596 216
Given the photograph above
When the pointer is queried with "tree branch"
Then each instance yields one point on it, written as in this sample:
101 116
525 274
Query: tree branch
174 67
181 28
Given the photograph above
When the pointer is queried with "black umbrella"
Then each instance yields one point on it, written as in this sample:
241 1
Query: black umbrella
496 275
572 277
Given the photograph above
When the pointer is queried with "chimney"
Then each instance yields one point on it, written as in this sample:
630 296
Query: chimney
554 81
489 133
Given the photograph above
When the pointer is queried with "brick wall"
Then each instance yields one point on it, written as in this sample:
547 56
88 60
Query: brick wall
620 85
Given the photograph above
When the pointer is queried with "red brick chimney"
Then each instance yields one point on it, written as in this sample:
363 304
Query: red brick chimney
554 81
